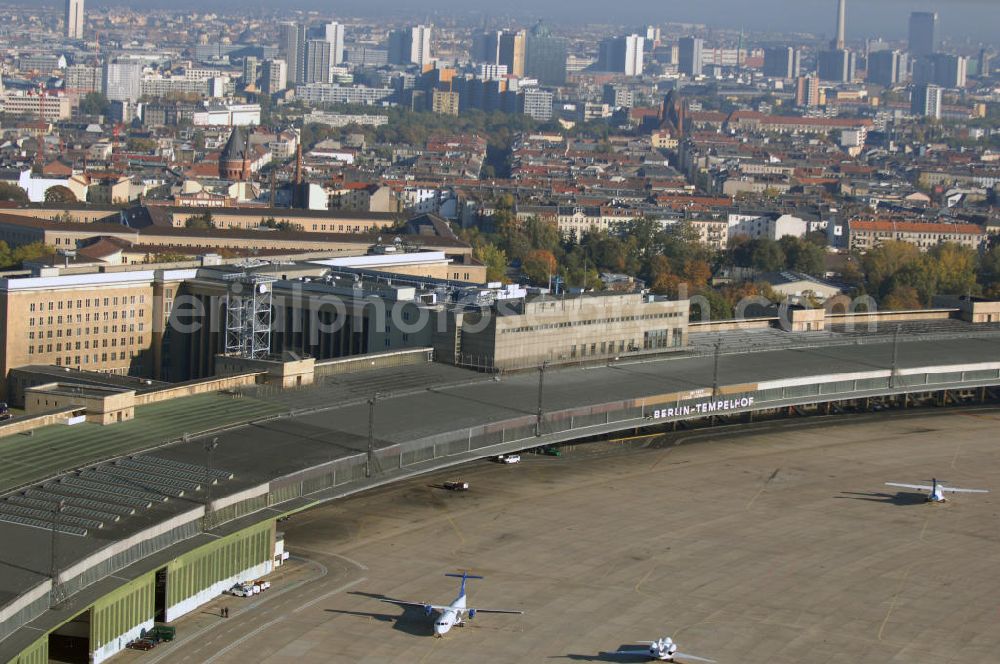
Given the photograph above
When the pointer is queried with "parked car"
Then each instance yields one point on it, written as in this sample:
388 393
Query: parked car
141 644
264 585
512 458
548 450
456 486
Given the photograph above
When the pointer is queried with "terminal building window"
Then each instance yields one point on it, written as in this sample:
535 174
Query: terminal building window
655 339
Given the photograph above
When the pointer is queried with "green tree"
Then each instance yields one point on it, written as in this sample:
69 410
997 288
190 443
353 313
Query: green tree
714 306
989 271
767 255
30 252
170 257
94 103
59 194
139 144
881 263
6 255
11 192
494 258
803 256
609 252
201 221
283 225
921 276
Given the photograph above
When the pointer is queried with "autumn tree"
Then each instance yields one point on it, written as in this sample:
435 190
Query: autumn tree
663 281
539 265
902 298
956 268
696 273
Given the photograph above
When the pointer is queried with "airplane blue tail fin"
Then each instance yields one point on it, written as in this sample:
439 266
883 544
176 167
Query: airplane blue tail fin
464 577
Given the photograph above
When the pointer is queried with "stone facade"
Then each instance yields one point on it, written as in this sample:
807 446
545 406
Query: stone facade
563 330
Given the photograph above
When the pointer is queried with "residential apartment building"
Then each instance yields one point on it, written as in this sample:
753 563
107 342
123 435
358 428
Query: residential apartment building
444 102
783 62
864 235
50 108
123 81
575 222
713 233
323 93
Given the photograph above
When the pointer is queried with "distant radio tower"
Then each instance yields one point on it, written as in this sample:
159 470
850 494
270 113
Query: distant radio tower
838 43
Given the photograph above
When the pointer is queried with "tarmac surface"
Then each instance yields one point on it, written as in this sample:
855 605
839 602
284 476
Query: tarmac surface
773 543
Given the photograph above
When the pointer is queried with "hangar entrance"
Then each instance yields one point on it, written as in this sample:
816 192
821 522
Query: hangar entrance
160 596
70 642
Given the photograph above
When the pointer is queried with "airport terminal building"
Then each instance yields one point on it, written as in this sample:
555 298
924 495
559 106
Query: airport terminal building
170 324
531 331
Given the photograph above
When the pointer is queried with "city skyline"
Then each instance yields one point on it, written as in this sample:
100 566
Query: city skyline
971 19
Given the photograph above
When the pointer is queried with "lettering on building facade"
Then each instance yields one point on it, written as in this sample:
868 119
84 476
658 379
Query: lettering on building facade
709 407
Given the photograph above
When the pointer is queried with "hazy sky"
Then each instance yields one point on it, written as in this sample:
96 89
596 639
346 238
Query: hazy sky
961 20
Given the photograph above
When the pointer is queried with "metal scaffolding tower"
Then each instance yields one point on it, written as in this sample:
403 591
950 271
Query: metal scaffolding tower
248 315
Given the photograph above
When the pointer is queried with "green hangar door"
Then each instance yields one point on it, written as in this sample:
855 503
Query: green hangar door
120 617
70 642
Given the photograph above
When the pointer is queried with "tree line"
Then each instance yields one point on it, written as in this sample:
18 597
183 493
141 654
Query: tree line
671 260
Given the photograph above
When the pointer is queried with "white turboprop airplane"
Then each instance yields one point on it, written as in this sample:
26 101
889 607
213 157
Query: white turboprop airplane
663 650
936 490
452 614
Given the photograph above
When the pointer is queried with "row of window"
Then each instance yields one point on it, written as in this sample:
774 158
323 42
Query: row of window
672 338
74 360
47 348
341 229
89 302
47 334
924 236
596 321
606 347
85 318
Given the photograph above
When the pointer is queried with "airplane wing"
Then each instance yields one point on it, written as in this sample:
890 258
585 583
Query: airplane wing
953 489
684 657
478 610
636 653
919 487
422 605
